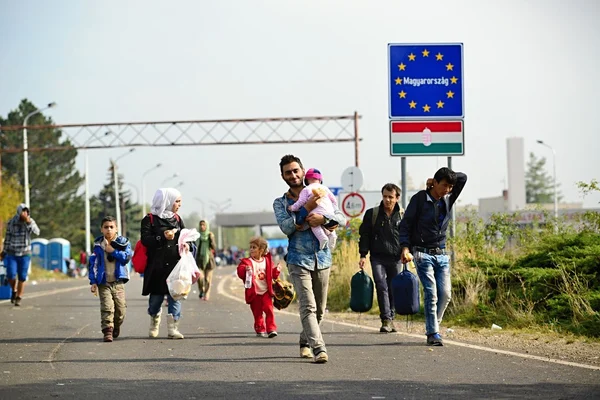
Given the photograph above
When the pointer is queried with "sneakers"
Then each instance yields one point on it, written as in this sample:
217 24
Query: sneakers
17 301
305 352
108 334
272 334
261 334
435 339
321 358
392 326
387 326
13 297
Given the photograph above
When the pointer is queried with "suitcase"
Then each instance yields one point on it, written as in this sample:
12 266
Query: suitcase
405 290
361 292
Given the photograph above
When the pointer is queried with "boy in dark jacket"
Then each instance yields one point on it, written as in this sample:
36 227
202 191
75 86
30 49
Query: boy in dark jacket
379 235
423 233
108 275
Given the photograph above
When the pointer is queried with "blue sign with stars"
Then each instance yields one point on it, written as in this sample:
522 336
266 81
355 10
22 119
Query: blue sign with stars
426 81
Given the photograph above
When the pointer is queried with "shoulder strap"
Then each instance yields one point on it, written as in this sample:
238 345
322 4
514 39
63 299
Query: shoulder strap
374 215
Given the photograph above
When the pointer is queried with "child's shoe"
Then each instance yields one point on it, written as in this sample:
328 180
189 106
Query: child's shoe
108 334
116 331
272 334
261 334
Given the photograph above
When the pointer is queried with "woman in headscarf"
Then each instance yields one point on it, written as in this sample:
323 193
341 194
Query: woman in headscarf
205 259
159 233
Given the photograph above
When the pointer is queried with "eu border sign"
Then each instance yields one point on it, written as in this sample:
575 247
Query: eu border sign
425 81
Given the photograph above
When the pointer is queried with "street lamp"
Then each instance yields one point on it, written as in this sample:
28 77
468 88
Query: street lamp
555 192
144 187
220 207
26 153
180 184
116 182
202 203
175 175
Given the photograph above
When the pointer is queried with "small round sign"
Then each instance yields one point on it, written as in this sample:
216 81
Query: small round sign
353 205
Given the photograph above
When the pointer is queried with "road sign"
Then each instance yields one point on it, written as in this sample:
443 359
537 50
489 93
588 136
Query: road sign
427 138
353 204
371 199
426 80
352 179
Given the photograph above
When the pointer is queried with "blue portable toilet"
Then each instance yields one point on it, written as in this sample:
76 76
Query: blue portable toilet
60 252
39 253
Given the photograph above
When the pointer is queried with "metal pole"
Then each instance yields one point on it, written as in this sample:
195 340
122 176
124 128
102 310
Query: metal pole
356 139
555 192
403 180
117 205
220 237
88 245
453 230
144 187
26 162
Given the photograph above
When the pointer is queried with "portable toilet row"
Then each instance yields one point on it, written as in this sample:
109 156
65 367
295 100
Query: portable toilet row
51 254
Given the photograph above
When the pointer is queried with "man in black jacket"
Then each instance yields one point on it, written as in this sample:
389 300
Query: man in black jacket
423 232
380 236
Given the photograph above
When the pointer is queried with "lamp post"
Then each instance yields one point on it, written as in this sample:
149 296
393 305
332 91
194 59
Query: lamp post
220 207
144 187
175 175
26 153
202 209
180 184
555 192
116 183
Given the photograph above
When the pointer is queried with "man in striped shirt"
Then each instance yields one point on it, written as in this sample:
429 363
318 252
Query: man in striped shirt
17 250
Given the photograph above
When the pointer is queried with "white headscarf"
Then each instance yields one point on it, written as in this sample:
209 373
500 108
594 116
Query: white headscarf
162 203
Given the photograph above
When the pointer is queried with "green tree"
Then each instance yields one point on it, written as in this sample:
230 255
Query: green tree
103 204
539 185
56 205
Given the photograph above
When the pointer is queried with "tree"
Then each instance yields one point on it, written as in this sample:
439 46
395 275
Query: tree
539 185
54 181
10 193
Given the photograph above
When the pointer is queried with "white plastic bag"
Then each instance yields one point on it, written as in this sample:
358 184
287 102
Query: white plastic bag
181 278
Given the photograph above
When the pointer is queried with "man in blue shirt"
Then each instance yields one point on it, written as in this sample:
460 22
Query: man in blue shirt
308 264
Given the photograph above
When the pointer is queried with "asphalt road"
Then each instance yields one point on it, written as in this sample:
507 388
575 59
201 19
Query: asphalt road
51 347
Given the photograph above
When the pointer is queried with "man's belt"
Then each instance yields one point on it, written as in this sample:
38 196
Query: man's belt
432 251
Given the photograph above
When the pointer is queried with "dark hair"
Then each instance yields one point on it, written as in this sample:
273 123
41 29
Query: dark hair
288 159
391 187
445 174
108 218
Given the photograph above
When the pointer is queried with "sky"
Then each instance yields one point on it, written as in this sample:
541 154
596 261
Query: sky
530 70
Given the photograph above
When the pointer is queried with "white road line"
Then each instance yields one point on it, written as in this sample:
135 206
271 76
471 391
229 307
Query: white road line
221 291
48 293
56 348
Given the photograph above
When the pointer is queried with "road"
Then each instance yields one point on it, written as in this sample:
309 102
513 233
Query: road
52 348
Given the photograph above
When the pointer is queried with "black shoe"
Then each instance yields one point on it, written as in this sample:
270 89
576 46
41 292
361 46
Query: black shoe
13 297
272 334
116 331
17 301
435 339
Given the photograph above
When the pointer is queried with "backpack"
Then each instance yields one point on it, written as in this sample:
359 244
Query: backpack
405 290
361 292
140 252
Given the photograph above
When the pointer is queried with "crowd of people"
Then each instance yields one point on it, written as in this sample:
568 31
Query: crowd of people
308 214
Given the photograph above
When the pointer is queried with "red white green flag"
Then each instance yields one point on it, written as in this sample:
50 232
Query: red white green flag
416 138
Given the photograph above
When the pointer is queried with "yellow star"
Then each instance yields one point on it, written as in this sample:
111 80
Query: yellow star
411 57
449 67
412 104
439 56
426 108
440 104
402 94
402 66
450 94
454 79
398 81
425 53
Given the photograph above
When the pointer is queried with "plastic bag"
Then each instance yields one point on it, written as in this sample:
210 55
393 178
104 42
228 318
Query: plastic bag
186 271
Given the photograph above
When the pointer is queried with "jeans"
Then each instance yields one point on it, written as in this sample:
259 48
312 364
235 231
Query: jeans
434 273
155 302
383 273
17 266
311 290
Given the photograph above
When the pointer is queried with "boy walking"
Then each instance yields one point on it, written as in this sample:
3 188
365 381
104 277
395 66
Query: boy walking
423 232
108 275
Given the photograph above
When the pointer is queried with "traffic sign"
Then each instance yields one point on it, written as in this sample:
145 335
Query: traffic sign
372 198
352 179
426 80
427 138
353 204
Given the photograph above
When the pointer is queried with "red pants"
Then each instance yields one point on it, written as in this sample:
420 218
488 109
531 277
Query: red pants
263 304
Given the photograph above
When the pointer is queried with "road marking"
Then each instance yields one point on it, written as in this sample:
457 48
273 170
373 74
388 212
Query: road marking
48 293
56 348
221 291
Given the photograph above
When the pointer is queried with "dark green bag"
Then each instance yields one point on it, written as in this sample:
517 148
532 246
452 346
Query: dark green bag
361 292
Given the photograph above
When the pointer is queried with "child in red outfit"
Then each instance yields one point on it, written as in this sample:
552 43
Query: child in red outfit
260 271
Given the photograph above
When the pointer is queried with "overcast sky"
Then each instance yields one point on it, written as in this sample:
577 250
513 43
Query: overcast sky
531 70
